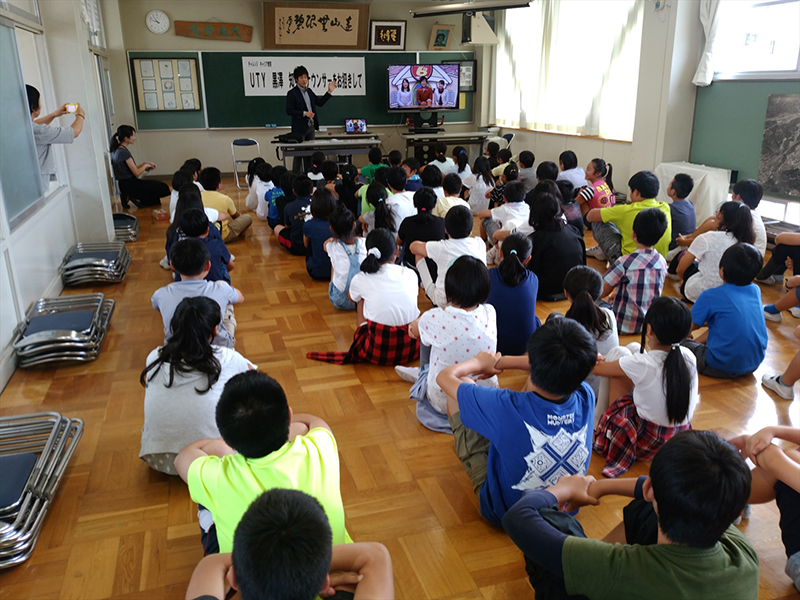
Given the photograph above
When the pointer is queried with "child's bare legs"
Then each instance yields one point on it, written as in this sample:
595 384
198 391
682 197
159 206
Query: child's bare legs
612 388
783 384
787 301
278 229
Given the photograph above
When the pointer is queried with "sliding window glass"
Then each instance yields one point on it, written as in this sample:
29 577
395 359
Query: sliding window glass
19 164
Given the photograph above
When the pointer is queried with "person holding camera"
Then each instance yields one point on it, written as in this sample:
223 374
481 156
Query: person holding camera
139 191
45 134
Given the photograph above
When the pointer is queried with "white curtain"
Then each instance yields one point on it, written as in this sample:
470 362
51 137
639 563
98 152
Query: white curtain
709 17
564 66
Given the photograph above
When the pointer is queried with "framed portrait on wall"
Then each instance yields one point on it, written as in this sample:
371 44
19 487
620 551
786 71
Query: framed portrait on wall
387 35
441 37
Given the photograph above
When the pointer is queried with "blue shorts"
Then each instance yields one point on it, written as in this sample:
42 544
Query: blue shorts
339 298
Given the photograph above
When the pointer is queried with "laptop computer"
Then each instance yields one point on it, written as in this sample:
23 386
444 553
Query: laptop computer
355 126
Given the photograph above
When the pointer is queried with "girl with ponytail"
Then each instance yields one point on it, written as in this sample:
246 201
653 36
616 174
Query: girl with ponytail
382 217
139 191
699 265
656 391
513 295
442 161
583 286
600 191
479 184
183 381
461 159
385 295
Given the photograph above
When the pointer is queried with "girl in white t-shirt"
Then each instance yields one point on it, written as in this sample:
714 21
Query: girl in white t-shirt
582 287
251 202
346 252
461 159
183 382
456 333
477 184
699 265
656 391
384 292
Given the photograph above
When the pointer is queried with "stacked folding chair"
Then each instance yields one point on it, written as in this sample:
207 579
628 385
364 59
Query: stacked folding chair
69 328
95 263
34 453
126 227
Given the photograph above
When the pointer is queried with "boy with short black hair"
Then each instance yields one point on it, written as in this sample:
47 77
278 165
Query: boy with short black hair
376 162
736 341
492 148
282 551
678 531
512 442
639 276
681 210
612 226
458 225
290 234
190 259
395 158
451 185
401 201
211 180
413 180
512 213
527 174
194 223
330 175
263 446
503 158
547 170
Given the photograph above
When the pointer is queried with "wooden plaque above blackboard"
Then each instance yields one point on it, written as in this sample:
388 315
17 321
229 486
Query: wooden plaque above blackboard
315 26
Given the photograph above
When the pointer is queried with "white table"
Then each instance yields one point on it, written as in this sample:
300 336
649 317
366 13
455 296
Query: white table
328 146
423 143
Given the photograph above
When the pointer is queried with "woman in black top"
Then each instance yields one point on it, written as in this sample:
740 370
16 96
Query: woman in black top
556 247
127 172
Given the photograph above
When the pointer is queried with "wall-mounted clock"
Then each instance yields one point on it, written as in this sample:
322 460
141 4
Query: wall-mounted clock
157 21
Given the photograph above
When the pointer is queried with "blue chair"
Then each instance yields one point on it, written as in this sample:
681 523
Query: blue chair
242 142
508 137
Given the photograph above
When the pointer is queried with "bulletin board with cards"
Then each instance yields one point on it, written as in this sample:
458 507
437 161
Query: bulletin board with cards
166 84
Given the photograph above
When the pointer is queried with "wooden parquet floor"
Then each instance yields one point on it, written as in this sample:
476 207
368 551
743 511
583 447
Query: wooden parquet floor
119 530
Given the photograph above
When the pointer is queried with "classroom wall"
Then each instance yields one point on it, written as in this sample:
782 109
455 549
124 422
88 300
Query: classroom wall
168 149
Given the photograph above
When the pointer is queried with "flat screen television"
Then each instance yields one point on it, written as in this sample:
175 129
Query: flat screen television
423 88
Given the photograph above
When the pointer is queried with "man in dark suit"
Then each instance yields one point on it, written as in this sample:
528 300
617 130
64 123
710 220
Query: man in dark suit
301 105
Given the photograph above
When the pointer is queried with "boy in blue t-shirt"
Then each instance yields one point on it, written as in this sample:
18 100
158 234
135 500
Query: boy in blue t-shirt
681 211
510 442
194 224
736 341
290 234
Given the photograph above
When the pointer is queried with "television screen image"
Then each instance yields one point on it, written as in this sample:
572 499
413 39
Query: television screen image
423 88
355 125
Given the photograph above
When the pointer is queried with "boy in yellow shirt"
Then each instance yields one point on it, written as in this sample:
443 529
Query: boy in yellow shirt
211 180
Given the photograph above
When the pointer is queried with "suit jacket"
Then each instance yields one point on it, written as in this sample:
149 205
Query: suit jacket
296 108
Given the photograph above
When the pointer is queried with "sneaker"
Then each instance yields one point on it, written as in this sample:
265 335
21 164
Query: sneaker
164 263
409 374
596 252
795 310
771 383
771 317
491 257
771 280
793 569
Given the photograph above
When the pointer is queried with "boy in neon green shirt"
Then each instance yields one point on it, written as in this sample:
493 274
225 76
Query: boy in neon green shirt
613 226
263 446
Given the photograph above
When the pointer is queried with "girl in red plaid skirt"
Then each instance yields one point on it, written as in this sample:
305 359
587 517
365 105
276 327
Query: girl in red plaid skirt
656 390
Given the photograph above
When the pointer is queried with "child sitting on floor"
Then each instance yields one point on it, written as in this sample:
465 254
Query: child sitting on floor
495 195
513 295
502 436
458 224
316 232
654 393
638 277
451 335
264 445
376 162
270 206
346 253
252 179
680 540
508 216
290 234
381 216
190 258
451 187
299 564
386 302
422 227
736 341
681 210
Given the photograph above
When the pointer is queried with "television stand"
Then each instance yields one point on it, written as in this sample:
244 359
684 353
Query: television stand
433 124
428 130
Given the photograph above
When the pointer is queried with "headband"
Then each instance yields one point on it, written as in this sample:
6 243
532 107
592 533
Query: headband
376 252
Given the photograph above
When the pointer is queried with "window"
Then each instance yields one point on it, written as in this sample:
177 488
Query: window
565 66
90 11
26 9
758 40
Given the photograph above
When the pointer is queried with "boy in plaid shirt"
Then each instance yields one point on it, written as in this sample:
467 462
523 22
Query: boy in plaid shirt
639 276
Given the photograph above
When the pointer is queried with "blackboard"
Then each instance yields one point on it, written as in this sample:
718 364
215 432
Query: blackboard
729 123
173 119
227 106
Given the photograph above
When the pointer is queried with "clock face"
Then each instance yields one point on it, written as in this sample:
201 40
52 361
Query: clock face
157 21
